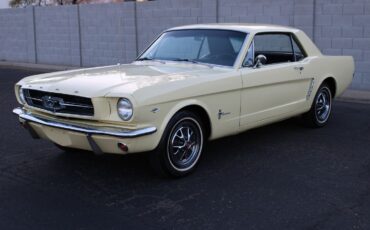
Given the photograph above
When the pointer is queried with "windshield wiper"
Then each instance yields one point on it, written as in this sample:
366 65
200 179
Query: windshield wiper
150 59
184 59
144 59
191 61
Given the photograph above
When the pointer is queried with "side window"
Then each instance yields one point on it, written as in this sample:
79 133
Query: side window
277 47
272 43
299 54
249 59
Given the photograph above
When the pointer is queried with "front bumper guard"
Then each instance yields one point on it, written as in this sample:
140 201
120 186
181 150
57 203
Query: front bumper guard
26 117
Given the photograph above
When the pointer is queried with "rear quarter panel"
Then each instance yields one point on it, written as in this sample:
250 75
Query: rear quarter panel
320 68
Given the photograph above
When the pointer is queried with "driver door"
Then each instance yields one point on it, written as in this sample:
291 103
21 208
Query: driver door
277 89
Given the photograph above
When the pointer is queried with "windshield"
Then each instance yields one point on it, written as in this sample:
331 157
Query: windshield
220 47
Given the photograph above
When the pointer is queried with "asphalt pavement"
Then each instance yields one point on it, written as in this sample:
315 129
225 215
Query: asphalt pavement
282 176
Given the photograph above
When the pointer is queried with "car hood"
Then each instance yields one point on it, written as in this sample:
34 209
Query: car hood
125 79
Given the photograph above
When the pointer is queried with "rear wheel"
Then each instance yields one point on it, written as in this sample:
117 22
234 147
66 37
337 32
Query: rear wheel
320 111
181 146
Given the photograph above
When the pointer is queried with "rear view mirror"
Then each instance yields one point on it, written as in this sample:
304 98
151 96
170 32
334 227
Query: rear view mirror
259 61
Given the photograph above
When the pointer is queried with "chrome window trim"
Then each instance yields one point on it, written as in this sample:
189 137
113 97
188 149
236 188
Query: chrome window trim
291 37
246 54
205 63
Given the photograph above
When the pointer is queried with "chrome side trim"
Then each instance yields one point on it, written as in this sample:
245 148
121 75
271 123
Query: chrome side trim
115 132
312 83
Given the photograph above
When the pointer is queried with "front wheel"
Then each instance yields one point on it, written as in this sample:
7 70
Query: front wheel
181 146
320 111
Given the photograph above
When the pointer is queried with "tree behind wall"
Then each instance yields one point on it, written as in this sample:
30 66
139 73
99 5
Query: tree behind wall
25 3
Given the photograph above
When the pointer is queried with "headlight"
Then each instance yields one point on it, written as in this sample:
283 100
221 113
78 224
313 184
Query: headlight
21 95
124 109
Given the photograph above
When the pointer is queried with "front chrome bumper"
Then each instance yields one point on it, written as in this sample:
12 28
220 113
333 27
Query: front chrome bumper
26 117
116 132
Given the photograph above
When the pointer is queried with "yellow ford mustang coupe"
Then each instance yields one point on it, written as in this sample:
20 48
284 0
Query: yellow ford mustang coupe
192 84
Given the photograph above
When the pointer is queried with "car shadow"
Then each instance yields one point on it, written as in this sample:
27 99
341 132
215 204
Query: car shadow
218 154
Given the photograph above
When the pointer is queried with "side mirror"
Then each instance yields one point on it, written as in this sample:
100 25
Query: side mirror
259 61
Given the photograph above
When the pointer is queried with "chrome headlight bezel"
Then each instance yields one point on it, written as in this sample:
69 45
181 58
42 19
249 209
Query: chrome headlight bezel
125 109
21 96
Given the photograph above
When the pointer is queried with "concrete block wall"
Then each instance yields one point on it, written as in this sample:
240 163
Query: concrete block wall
304 16
342 28
102 34
17 41
107 34
251 11
155 16
57 35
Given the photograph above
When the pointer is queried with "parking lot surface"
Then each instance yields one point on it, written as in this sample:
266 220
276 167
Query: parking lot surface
282 176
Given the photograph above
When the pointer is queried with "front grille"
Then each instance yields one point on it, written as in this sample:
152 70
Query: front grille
59 103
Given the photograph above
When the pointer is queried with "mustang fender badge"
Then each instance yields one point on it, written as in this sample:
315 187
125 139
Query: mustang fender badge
155 110
220 114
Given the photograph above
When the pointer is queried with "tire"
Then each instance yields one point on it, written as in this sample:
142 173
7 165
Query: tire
181 146
320 111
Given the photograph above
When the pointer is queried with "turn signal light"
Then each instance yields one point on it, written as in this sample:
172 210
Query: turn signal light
123 147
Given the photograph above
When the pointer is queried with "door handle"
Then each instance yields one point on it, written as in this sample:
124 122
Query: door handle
300 68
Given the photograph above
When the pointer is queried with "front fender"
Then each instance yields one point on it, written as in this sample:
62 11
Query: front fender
159 115
179 106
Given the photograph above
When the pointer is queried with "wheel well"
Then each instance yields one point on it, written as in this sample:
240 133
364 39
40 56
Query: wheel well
332 85
202 113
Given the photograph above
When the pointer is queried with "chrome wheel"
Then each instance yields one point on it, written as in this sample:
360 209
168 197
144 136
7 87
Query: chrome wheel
323 105
185 144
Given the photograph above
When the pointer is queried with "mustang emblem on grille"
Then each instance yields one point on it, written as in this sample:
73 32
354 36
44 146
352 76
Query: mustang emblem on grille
53 103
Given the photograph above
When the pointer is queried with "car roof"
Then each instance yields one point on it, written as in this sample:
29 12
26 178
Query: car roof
243 27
